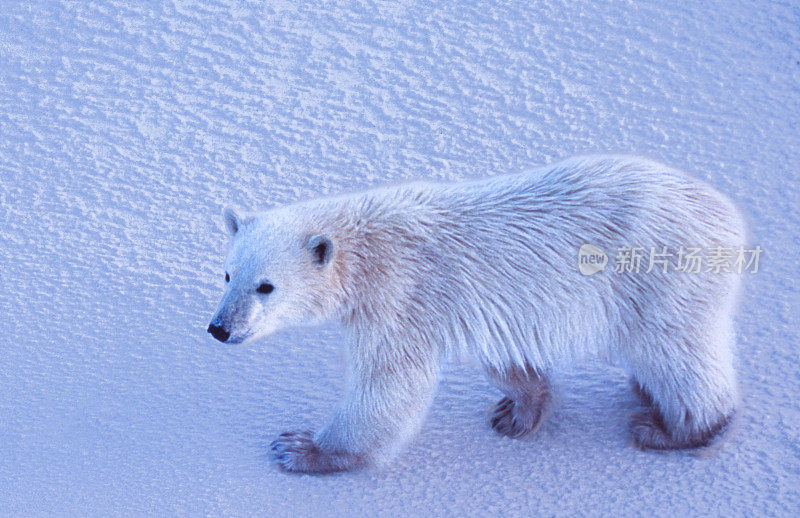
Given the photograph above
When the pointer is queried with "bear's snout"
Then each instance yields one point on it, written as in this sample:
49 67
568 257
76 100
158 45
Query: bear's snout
219 332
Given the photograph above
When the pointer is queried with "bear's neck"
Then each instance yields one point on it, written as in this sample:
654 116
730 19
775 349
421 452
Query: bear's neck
377 237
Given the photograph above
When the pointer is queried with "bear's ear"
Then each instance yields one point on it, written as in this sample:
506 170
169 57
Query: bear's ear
232 220
321 249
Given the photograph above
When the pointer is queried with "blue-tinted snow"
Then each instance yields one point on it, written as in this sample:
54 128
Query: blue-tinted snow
126 126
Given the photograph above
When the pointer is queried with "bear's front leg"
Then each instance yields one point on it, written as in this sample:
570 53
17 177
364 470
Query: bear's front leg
388 392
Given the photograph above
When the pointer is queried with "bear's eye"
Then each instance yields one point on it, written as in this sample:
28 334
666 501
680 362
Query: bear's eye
227 277
265 288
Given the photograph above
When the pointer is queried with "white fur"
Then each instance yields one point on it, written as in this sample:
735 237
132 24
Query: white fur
489 269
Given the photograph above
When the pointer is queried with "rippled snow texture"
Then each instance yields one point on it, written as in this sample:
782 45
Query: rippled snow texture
126 126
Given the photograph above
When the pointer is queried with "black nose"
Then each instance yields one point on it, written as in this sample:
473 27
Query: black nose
219 332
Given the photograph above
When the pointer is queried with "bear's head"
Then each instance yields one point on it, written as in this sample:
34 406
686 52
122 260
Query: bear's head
277 273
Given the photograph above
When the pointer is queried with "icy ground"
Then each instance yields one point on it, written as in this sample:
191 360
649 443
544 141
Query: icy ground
124 130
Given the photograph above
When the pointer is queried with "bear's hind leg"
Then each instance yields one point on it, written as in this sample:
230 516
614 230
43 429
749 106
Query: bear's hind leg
688 389
527 399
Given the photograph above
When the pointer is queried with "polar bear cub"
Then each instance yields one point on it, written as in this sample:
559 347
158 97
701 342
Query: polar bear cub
489 269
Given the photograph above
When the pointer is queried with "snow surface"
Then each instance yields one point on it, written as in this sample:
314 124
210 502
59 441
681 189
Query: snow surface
126 126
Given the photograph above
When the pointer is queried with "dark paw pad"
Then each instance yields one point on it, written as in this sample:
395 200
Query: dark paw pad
298 453
649 433
295 451
512 419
